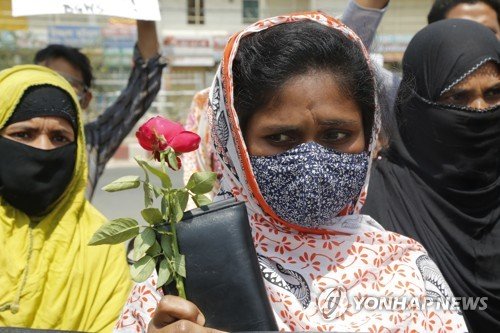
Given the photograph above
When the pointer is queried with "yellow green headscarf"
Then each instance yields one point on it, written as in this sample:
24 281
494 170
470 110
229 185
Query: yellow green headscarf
49 277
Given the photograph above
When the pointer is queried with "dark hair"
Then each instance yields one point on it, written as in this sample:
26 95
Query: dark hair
70 54
266 60
440 8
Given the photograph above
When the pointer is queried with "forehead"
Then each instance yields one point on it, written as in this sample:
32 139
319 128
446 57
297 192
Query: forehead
42 121
479 12
63 66
317 92
485 76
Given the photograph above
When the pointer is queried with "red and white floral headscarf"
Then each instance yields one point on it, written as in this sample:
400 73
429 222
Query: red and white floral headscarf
315 277
304 268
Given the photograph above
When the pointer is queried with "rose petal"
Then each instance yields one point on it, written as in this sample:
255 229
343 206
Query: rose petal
165 127
185 142
144 139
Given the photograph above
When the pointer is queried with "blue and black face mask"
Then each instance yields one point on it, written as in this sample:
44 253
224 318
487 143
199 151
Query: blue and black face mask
309 185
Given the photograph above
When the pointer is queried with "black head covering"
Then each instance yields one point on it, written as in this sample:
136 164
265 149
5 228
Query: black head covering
440 180
45 100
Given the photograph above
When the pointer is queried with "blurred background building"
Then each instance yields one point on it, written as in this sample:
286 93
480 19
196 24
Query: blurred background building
192 36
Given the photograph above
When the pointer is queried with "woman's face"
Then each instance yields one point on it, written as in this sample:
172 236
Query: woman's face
309 107
41 132
480 90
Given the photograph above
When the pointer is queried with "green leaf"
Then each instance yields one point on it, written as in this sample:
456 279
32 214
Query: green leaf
123 183
164 273
165 179
157 191
142 269
183 197
201 200
141 162
180 265
176 212
166 245
116 231
143 242
201 182
148 194
172 160
154 250
152 215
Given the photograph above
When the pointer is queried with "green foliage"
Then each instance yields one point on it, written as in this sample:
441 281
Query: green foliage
152 215
142 269
201 200
115 231
164 273
201 182
143 242
123 183
149 250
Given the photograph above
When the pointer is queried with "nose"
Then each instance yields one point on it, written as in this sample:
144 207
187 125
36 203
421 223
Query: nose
43 142
478 103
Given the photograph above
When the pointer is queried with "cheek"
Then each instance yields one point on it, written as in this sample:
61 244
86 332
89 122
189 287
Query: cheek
357 144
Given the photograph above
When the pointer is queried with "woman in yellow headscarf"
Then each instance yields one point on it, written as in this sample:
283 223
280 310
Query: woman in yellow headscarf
49 277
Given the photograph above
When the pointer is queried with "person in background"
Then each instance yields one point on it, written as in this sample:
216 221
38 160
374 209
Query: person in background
106 133
364 16
294 118
203 158
49 277
439 180
485 12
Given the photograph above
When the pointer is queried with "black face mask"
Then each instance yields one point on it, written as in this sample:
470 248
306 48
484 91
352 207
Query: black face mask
32 179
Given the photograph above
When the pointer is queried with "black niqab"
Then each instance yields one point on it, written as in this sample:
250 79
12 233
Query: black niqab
439 182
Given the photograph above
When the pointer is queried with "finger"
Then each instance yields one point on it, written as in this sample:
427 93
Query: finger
185 326
173 308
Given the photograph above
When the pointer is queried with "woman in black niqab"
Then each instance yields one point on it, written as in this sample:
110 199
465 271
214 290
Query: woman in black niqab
439 181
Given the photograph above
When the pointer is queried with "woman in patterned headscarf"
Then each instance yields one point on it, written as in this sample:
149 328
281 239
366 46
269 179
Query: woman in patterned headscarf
294 119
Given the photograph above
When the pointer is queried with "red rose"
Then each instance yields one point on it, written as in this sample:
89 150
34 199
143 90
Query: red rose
158 133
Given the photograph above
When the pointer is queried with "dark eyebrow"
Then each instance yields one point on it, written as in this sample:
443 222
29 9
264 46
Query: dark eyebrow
63 131
495 86
15 127
338 122
280 128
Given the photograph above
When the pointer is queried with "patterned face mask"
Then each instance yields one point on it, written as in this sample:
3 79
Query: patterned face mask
309 185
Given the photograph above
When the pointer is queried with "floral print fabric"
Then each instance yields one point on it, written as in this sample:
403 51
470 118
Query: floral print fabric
315 277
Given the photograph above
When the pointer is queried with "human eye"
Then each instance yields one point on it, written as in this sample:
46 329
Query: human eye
60 138
459 98
20 135
335 136
280 138
492 96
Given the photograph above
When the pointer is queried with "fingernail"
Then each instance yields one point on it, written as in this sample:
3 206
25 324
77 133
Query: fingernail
200 320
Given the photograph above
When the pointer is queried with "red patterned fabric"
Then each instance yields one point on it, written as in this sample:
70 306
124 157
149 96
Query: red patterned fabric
314 277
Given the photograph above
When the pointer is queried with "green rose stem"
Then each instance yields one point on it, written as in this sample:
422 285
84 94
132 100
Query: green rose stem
179 282
149 252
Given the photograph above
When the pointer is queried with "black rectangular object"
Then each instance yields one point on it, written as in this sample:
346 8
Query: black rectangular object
223 274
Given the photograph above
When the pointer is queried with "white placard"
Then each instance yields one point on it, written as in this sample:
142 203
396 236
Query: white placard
134 9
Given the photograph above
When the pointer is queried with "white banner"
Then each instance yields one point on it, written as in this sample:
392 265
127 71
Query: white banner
134 9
